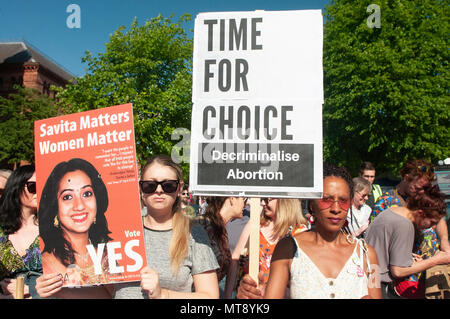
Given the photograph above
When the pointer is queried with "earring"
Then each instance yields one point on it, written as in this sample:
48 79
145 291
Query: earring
95 219
56 222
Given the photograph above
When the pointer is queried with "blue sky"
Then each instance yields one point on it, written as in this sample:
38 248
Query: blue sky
43 23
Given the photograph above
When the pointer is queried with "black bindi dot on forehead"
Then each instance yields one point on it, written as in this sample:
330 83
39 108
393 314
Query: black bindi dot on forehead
68 180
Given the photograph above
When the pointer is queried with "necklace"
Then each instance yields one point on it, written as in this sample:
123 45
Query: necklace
350 239
84 257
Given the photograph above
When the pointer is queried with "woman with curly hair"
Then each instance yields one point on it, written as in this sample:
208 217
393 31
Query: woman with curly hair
325 262
417 174
19 233
393 233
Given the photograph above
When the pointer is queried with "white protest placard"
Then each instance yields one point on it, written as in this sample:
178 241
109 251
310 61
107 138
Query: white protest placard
257 104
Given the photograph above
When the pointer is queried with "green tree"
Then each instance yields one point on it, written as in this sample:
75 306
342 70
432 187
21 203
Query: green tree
149 66
17 115
386 88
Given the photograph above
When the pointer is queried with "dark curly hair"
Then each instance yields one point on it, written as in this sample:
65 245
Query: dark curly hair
431 201
10 205
411 166
52 236
339 171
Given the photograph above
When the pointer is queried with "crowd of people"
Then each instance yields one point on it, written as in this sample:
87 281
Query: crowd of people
354 242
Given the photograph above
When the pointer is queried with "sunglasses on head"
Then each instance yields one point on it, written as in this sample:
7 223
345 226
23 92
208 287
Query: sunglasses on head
31 187
168 186
425 169
327 202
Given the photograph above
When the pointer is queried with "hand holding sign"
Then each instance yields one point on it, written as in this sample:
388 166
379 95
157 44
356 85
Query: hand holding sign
255 209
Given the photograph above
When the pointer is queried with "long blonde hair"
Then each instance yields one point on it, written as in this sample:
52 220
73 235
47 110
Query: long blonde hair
289 214
181 225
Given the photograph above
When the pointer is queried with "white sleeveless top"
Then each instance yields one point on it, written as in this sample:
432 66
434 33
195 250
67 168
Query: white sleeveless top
307 282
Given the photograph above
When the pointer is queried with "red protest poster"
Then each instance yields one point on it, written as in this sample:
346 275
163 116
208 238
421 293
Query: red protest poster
89 209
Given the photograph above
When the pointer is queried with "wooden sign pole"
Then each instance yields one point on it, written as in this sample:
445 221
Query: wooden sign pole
253 253
19 287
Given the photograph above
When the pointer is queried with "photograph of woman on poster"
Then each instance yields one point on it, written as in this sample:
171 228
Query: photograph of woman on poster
71 217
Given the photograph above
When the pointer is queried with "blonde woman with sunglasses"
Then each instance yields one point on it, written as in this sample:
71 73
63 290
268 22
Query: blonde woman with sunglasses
181 263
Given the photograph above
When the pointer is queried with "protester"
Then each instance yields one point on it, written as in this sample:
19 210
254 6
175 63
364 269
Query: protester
279 217
4 175
358 217
367 171
218 213
202 205
181 263
195 202
186 206
307 213
324 262
416 174
19 233
392 235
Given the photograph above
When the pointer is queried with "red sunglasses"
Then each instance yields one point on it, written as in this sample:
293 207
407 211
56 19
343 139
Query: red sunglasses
325 203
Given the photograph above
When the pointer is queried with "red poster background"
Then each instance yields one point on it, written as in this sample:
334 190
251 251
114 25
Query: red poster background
115 160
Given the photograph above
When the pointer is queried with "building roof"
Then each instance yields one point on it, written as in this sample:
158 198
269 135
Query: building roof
22 52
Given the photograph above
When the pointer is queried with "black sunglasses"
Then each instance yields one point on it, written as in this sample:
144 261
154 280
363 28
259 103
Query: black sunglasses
266 200
168 186
31 186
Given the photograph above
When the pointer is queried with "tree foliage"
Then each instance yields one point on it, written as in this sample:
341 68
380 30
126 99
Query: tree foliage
17 115
386 89
149 66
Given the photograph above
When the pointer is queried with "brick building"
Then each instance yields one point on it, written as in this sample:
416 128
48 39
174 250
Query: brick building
21 63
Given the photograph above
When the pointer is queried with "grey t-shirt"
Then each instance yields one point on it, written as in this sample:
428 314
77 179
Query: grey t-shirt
200 258
392 237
